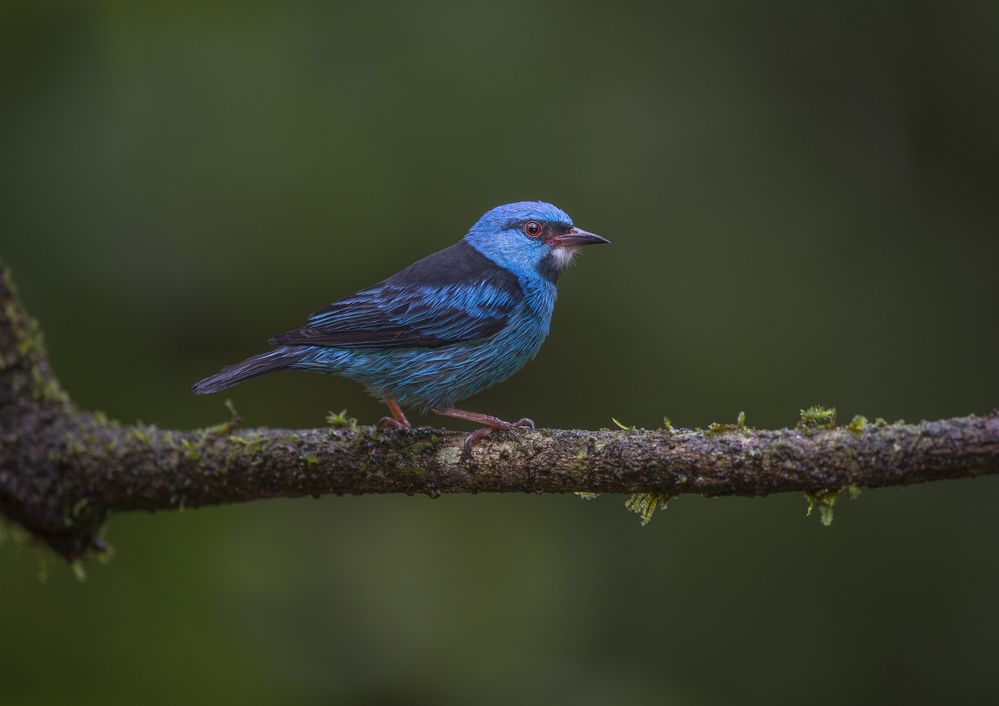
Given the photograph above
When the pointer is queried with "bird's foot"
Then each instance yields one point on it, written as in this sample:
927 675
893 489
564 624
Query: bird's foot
490 423
486 431
390 423
397 420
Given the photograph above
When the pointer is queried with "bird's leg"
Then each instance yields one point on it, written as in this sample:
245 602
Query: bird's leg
397 420
489 423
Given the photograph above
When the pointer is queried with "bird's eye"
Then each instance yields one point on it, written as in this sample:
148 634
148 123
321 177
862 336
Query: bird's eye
532 229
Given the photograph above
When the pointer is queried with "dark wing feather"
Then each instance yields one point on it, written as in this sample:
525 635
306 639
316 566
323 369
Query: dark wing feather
451 296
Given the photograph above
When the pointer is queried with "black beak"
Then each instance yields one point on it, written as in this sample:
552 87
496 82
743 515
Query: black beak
577 237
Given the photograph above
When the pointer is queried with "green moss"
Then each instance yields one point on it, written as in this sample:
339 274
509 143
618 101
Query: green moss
136 434
824 500
339 420
51 392
192 451
167 439
818 417
588 496
740 425
29 338
645 504
225 428
858 424
626 428
251 439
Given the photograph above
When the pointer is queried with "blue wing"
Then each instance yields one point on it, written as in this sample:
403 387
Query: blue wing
451 296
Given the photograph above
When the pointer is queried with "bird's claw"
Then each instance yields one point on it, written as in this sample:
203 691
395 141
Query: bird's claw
391 423
486 431
475 436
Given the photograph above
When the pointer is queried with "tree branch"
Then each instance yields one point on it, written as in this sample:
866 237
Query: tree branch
63 471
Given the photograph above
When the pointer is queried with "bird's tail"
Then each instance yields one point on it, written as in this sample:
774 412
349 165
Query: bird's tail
277 359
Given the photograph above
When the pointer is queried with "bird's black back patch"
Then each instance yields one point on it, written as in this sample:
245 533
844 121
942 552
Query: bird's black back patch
459 264
403 311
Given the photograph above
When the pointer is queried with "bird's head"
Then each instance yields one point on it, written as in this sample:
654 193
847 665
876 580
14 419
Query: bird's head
528 237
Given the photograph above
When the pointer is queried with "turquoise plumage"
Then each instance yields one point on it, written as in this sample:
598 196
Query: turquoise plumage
444 328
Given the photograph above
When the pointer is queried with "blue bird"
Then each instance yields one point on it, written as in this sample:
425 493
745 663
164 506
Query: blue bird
444 328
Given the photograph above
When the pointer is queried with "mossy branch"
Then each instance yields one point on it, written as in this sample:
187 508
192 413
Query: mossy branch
64 471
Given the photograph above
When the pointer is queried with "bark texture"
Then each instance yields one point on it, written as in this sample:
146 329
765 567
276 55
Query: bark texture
63 471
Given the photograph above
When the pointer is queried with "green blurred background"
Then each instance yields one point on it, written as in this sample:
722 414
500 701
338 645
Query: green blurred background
803 200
